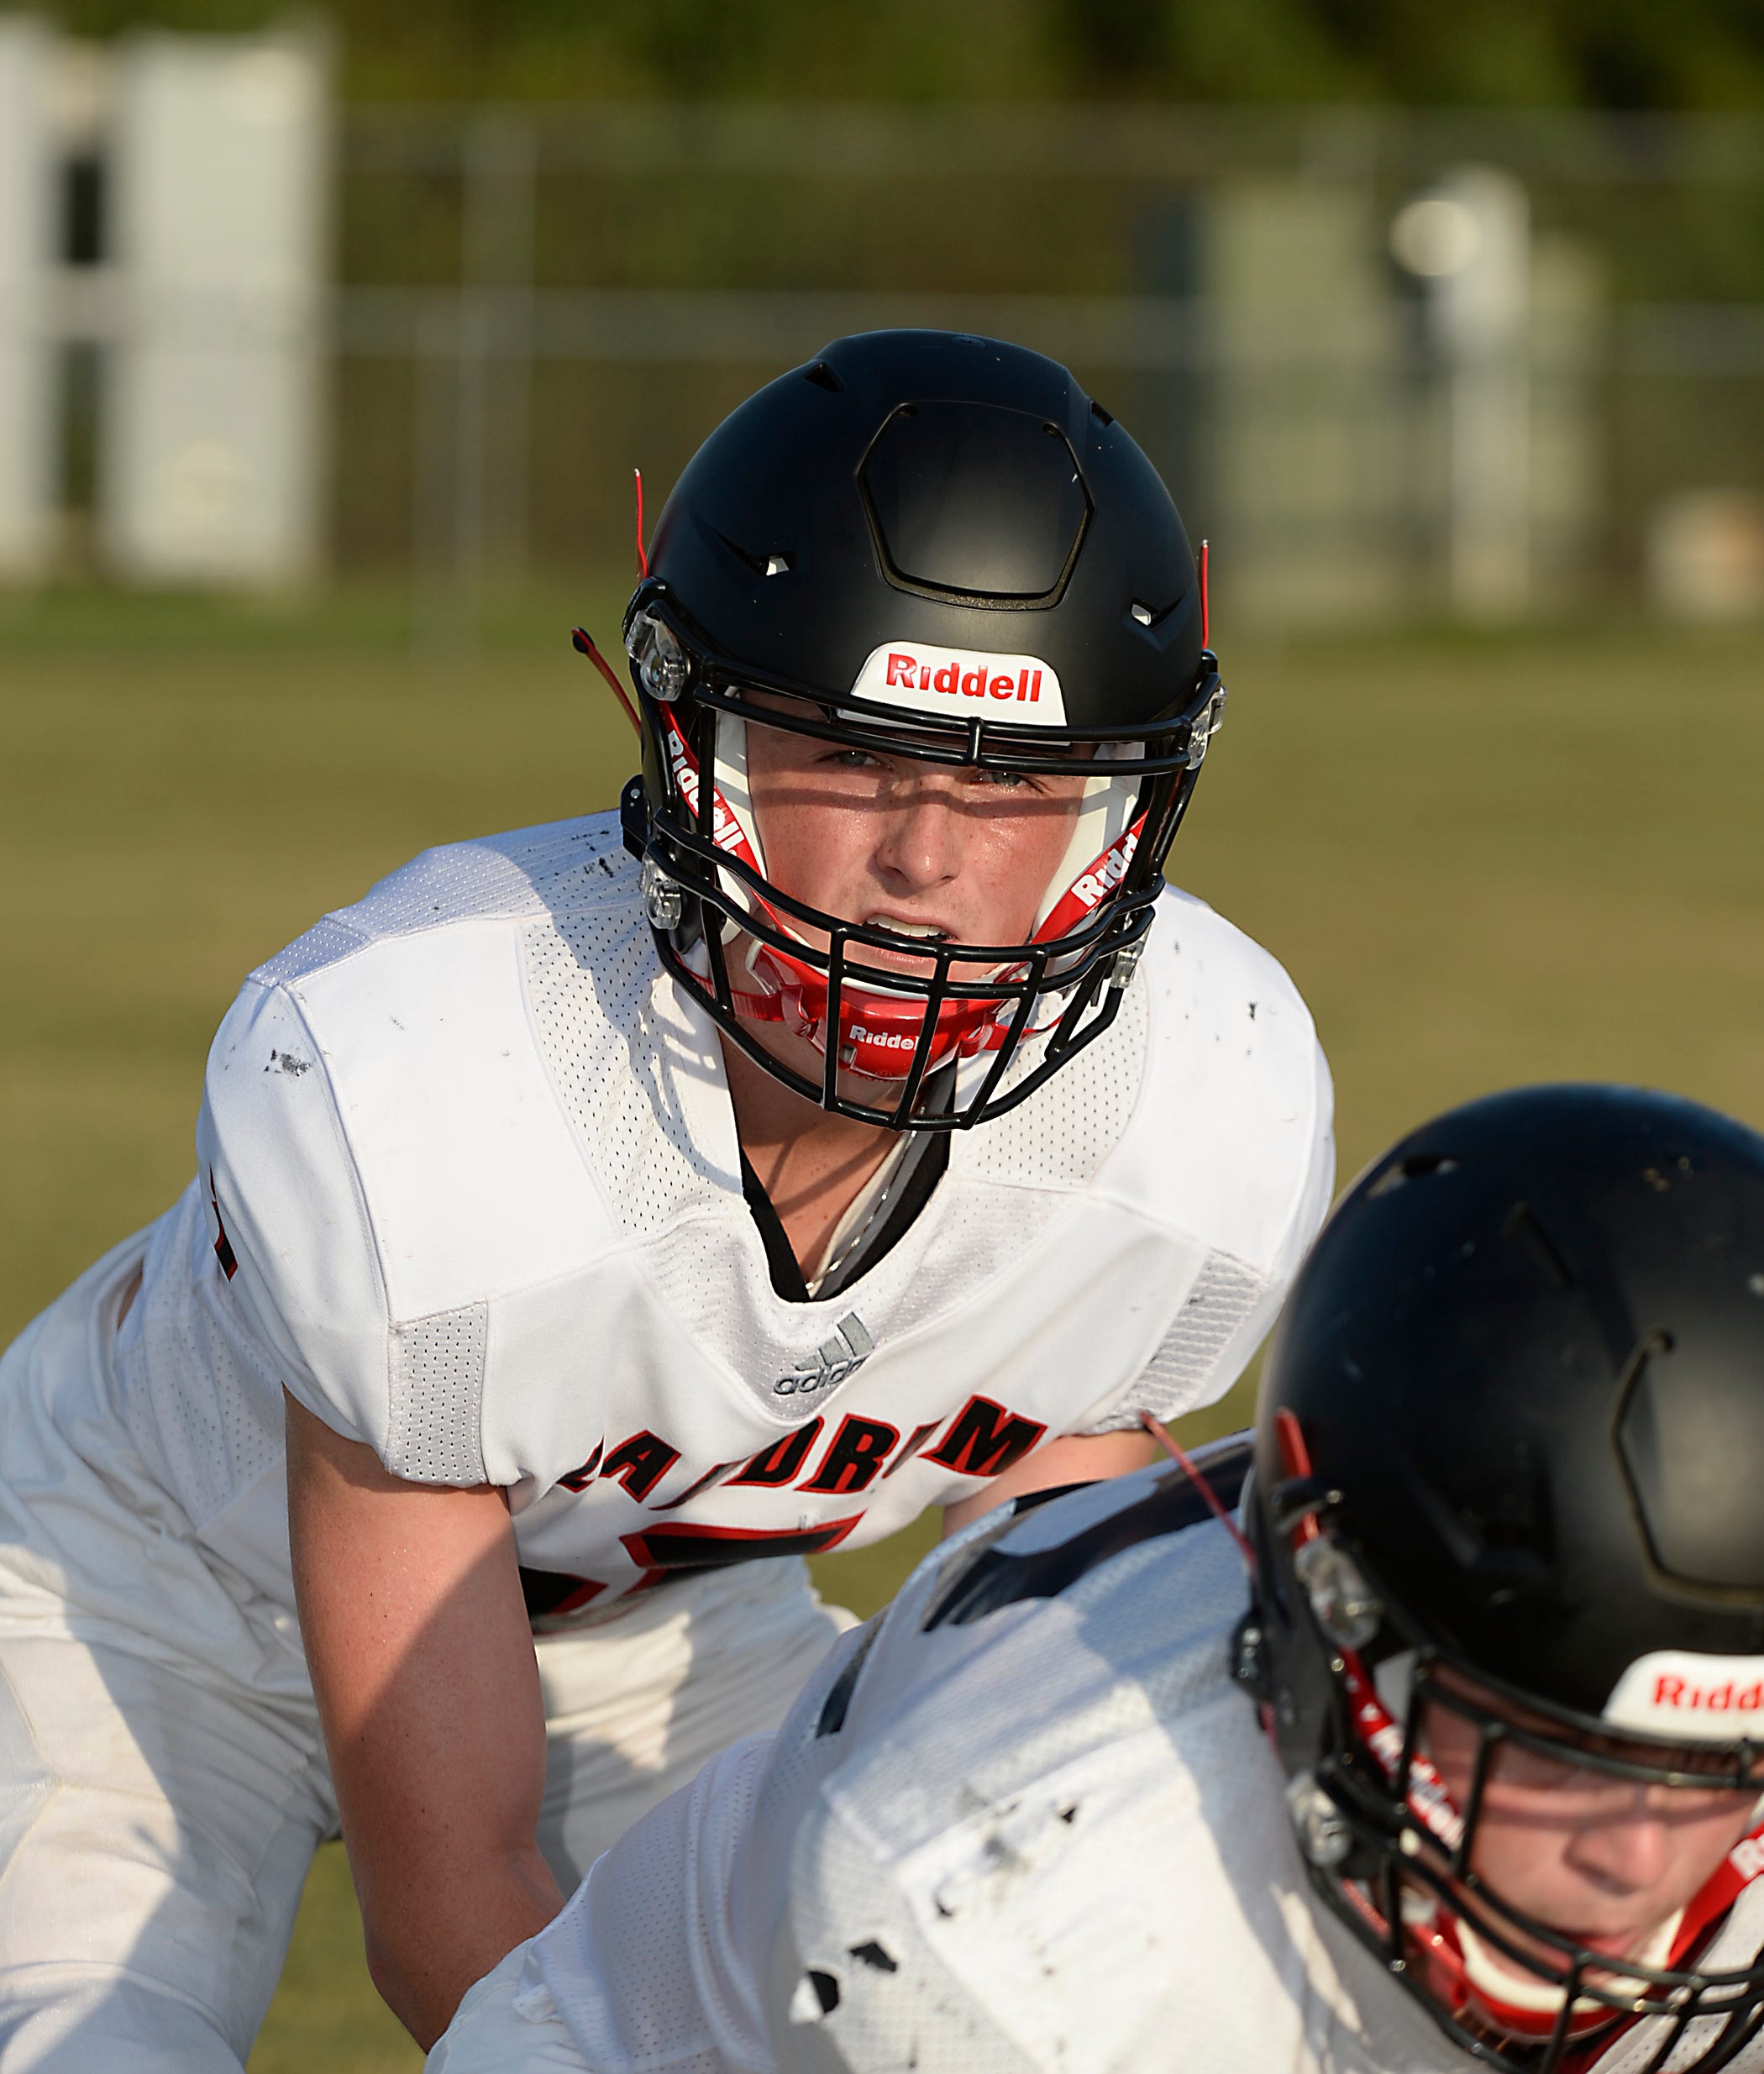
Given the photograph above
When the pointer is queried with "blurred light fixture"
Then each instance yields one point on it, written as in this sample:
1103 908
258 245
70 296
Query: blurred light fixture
1435 236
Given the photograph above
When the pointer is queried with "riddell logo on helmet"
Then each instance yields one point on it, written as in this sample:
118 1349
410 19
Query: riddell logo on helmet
909 671
1676 1692
1092 886
1694 1697
1018 690
727 833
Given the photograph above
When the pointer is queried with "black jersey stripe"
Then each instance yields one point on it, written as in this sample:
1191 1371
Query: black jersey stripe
838 1703
996 1578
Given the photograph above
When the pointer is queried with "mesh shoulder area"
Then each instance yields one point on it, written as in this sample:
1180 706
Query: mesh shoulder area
560 868
1062 1134
435 1430
1195 1351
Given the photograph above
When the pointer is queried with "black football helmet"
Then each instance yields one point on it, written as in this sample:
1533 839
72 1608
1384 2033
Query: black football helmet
936 546
1509 1456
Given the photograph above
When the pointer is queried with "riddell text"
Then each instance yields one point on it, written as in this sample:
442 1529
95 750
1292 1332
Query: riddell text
908 674
1680 1695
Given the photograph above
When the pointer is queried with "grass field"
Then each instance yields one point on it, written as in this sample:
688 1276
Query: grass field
1484 860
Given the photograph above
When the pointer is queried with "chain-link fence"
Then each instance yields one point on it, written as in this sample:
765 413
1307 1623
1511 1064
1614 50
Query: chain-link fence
1390 363
1393 363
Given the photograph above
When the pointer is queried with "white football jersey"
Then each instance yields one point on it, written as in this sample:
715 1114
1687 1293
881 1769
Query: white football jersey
1024 1822
470 1186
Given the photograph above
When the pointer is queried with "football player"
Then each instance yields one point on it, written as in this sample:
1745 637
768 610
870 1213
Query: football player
1450 1755
596 1220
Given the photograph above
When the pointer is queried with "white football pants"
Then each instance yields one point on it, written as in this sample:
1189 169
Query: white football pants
163 1784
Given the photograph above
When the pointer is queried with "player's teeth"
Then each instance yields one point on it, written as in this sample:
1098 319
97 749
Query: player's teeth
904 928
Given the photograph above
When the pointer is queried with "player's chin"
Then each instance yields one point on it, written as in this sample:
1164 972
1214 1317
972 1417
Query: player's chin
1621 1946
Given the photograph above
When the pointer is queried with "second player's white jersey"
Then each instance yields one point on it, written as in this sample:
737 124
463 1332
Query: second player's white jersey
470 1187
1022 1823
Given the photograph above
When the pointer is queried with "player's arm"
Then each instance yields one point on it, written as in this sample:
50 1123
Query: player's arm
1073 1458
423 1662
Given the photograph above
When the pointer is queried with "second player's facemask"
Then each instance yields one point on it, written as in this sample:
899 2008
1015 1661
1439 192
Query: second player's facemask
889 1012
1394 1850
1510 1979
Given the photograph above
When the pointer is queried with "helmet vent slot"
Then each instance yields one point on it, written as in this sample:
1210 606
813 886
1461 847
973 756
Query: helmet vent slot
777 564
1417 1166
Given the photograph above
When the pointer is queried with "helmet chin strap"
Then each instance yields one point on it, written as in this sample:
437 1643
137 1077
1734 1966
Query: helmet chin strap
879 1031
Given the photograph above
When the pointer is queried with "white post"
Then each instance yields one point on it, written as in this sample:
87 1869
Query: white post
29 452
1469 241
498 228
212 469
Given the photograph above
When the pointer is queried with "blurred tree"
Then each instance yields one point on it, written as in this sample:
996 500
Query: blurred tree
1616 54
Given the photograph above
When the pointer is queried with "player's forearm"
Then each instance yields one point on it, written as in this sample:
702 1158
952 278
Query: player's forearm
427 1941
428 1695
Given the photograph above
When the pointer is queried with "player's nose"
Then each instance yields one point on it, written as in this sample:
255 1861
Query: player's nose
920 842
1627 1851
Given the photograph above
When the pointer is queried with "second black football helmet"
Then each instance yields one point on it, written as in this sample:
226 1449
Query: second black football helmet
1509 1461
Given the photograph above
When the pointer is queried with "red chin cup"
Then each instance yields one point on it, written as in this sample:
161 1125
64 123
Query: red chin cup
1434 1941
1436 1954
878 1033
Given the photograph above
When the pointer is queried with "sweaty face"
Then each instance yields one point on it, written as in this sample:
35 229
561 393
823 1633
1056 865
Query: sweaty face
1606 1861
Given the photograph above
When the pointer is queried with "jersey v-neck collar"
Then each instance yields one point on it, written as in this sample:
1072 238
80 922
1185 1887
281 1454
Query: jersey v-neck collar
700 1084
904 1193
780 1256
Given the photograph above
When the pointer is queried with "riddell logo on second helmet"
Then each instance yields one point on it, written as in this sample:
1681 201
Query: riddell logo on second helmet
1687 1696
1017 689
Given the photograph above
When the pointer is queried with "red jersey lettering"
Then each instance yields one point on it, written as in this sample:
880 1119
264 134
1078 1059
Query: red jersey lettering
857 1451
983 1439
640 1463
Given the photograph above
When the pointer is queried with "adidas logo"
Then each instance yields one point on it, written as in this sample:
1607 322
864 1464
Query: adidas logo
831 1363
